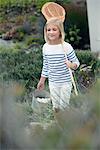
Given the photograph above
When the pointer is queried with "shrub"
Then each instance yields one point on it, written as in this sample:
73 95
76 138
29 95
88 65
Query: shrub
21 66
86 57
75 129
78 16
24 66
72 36
39 4
88 71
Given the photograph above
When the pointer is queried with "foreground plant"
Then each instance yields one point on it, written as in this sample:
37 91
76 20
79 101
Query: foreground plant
79 129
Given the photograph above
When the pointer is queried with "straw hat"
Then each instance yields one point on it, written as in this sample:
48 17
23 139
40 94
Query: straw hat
52 10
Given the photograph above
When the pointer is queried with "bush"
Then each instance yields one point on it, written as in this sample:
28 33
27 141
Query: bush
21 66
25 66
76 129
86 57
72 36
78 16
88 71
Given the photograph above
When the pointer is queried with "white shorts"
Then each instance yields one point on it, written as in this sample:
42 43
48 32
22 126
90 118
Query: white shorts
60 95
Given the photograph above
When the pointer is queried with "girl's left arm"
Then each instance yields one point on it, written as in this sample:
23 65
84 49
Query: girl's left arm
71 65
72 61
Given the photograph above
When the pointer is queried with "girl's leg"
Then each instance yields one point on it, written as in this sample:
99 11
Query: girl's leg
55 97
65 95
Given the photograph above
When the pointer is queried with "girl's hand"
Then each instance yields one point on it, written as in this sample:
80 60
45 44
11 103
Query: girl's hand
71 65
40 85
68 64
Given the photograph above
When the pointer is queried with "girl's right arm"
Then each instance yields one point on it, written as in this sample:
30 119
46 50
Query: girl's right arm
44 73
41 83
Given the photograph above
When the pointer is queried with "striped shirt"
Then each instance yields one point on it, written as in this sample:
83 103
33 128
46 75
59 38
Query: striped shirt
54 66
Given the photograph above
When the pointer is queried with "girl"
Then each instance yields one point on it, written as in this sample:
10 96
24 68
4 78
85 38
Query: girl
55 66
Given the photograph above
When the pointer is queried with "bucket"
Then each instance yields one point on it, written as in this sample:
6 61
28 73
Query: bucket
40 100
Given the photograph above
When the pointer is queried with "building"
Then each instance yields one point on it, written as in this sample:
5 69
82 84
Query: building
93 7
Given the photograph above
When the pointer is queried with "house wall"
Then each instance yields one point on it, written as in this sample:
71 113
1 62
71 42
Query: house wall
93 9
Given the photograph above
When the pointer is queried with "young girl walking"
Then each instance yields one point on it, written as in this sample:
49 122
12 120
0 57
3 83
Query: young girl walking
55 65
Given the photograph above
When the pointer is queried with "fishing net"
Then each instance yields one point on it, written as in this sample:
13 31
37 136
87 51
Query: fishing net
53 10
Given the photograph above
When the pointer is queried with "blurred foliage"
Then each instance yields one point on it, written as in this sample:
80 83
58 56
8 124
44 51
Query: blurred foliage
23 3
13 13
21 66
24 66
39 4
78 16
12 3
32 18
72 36
86 57
77 128
89 70
34 40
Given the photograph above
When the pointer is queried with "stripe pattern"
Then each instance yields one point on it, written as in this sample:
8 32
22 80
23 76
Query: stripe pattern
54 66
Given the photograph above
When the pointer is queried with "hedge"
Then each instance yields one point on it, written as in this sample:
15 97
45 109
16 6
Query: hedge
25 66
21 66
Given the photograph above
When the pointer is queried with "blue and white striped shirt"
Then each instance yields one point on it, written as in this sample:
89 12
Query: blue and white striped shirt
54 66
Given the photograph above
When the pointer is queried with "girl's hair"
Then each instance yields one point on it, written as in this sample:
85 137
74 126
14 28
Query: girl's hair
60 26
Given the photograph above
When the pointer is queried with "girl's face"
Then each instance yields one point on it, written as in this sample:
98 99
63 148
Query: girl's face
53 33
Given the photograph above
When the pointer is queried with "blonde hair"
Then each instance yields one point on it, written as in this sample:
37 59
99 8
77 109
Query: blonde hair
60 26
